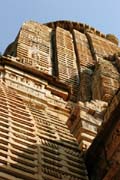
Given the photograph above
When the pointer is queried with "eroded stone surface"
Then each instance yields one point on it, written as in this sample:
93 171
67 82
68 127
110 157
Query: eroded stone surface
53 74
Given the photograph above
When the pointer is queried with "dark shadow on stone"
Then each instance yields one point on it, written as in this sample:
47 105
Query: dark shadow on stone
47 161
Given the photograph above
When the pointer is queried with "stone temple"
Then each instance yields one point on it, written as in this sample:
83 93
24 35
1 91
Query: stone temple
60 104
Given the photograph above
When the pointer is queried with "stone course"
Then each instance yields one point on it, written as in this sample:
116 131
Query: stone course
59 90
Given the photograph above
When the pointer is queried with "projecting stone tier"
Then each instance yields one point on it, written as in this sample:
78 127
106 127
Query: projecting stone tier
103 157
70 52
60 85
35 142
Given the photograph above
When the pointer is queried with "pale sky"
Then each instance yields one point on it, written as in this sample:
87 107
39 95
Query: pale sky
102 14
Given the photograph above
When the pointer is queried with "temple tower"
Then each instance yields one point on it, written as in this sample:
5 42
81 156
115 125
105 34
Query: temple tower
57 81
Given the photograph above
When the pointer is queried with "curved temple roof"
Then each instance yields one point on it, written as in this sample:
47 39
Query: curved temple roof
59 82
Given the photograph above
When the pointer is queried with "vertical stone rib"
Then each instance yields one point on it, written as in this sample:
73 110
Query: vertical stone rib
85 64
41 64
83 48
67 67
77 61
91 46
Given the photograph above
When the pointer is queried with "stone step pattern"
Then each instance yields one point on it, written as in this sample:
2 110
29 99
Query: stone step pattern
34 46
60 155
35 142
72 54
85 120
18 151
80 60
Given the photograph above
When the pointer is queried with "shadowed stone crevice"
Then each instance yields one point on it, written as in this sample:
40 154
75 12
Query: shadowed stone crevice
54 54
59 104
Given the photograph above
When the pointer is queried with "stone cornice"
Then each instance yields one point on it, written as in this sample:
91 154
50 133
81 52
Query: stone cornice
64 90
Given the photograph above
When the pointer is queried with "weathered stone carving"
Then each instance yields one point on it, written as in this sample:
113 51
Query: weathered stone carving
53 74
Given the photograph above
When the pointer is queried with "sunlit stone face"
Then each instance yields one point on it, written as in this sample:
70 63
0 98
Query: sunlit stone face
57 83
